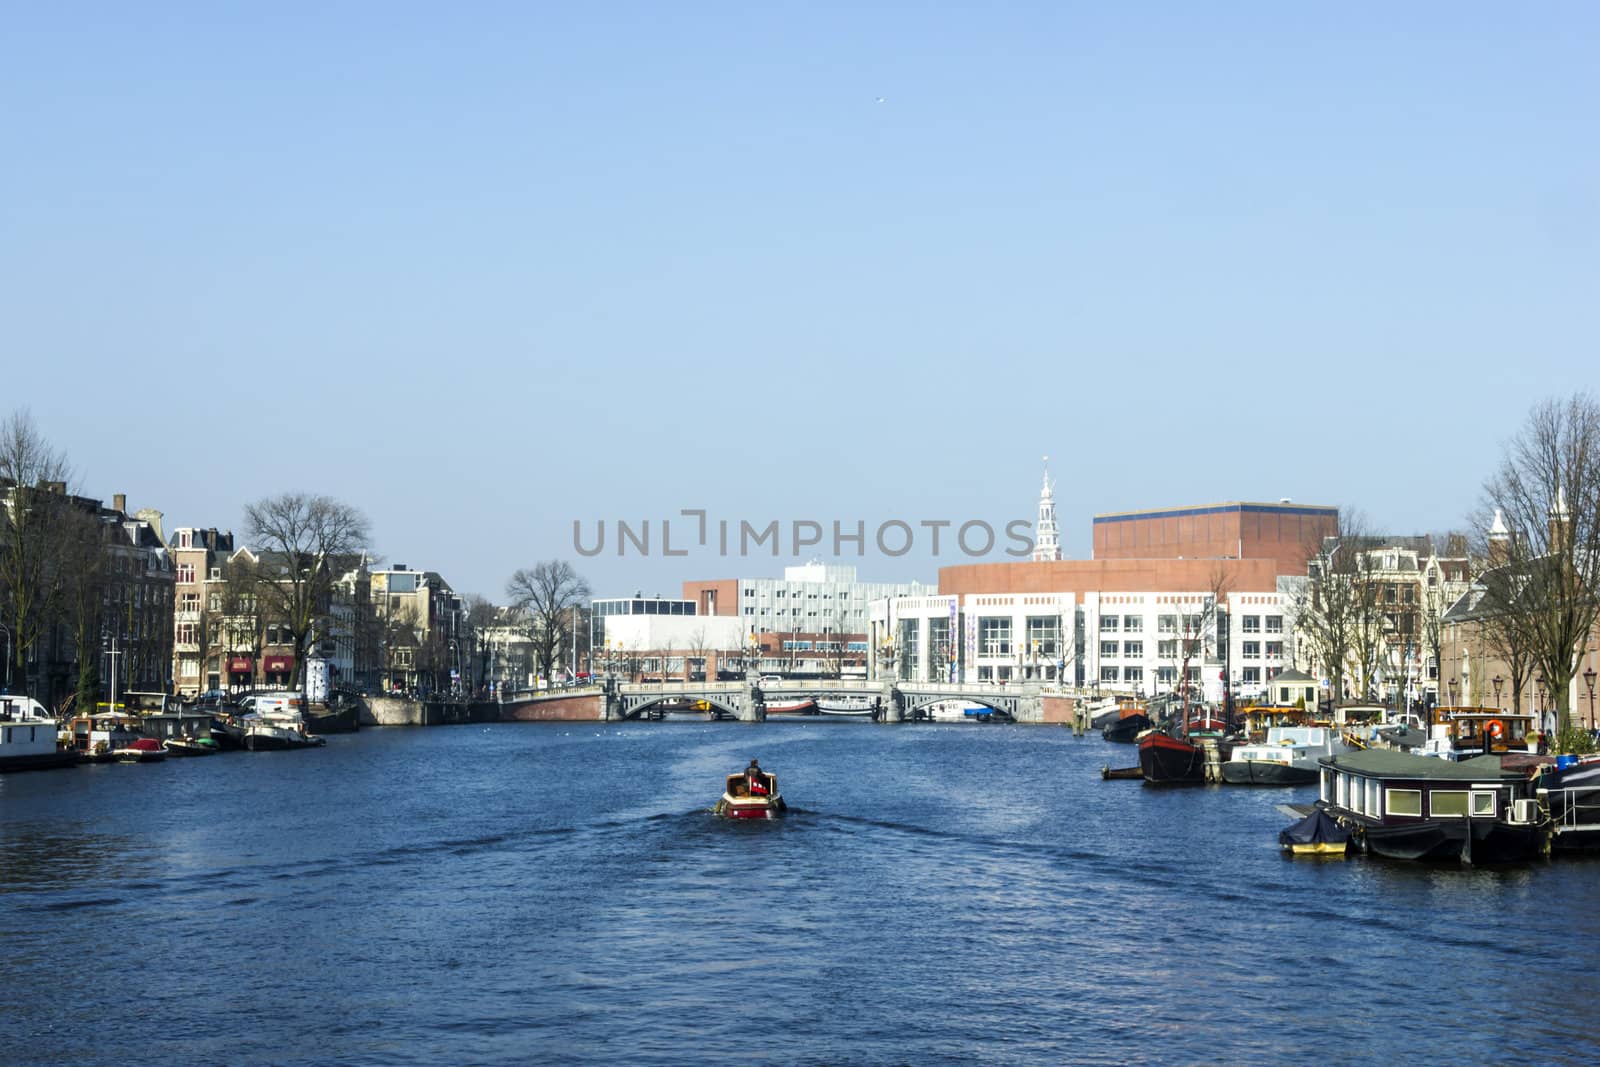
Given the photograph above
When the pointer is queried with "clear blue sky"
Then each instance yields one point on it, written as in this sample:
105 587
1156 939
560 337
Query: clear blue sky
486 270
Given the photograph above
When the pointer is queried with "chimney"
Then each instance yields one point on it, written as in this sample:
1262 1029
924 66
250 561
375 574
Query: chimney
119 502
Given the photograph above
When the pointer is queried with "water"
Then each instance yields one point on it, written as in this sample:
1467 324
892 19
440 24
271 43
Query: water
557 893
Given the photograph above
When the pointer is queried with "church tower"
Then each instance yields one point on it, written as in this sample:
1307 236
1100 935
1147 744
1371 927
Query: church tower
1046 542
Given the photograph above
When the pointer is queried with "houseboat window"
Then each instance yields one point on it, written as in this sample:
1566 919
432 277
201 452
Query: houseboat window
1483 802
1374 803
1327 780
1339 790
1447 803
1404 801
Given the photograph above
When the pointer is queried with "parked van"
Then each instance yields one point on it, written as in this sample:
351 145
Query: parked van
287 704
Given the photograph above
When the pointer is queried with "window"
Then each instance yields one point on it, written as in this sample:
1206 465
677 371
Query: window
1274 649
994 636
1108 624
1167 624
1447 803
1167 649
1166 675
1109 649
1252 676
1274 624
1483 803
1108 674
1250 624
1133 674
1133 649
186 572
1403 801
1252 650
1133 624
1044 632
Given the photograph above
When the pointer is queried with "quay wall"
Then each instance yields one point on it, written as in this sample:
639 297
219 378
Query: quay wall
391 711
1056 709
575 707
398 711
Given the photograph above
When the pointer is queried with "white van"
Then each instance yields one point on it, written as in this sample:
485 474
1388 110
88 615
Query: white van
284 704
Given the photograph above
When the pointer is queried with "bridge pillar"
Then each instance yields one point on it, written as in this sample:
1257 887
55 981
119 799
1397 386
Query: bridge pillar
891 704
611 700
754 709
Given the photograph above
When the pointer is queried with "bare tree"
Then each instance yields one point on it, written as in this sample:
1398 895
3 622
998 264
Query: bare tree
302 535
696 654
33 478
85 596
480 617
1329 607
547 594
1548 489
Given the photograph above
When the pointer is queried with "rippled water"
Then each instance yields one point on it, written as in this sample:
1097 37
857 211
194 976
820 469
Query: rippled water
558 893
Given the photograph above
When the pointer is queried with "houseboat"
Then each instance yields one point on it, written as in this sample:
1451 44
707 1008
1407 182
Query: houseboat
1462 732
99 736
1411 807
28 737
1568 788
1288 756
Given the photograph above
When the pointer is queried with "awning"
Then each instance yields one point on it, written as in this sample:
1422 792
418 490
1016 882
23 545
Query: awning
277 664
241 664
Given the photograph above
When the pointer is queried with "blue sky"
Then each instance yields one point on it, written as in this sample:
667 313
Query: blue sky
484 271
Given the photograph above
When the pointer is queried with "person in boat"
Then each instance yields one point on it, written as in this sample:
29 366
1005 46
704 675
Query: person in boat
757 779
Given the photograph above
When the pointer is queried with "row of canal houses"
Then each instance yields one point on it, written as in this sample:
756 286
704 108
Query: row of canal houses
168 611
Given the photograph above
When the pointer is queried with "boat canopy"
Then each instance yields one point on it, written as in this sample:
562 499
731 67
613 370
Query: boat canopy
1318 828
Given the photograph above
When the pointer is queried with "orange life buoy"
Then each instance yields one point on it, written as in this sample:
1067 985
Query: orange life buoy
1494 728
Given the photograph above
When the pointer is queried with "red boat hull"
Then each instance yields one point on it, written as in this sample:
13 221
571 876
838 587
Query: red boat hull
1167 760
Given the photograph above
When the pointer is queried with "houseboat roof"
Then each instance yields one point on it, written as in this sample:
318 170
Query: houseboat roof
1387 763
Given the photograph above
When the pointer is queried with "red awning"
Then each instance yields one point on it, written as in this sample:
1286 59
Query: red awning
241 664
277 664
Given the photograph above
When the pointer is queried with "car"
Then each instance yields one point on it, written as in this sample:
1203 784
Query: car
770 679
211 698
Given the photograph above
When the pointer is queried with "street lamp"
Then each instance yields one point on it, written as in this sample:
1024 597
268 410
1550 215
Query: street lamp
1497 681
1588 680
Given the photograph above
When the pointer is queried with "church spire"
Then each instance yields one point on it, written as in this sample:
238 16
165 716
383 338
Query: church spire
1046 543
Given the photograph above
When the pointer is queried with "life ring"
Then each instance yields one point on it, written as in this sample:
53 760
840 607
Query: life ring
1494 728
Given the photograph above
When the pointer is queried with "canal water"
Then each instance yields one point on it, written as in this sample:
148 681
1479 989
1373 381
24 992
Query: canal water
558 893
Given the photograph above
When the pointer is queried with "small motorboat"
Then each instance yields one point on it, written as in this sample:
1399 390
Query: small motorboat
1318 834
140 750
191 746
751 794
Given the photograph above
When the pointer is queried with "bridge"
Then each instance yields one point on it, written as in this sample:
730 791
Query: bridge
747 700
